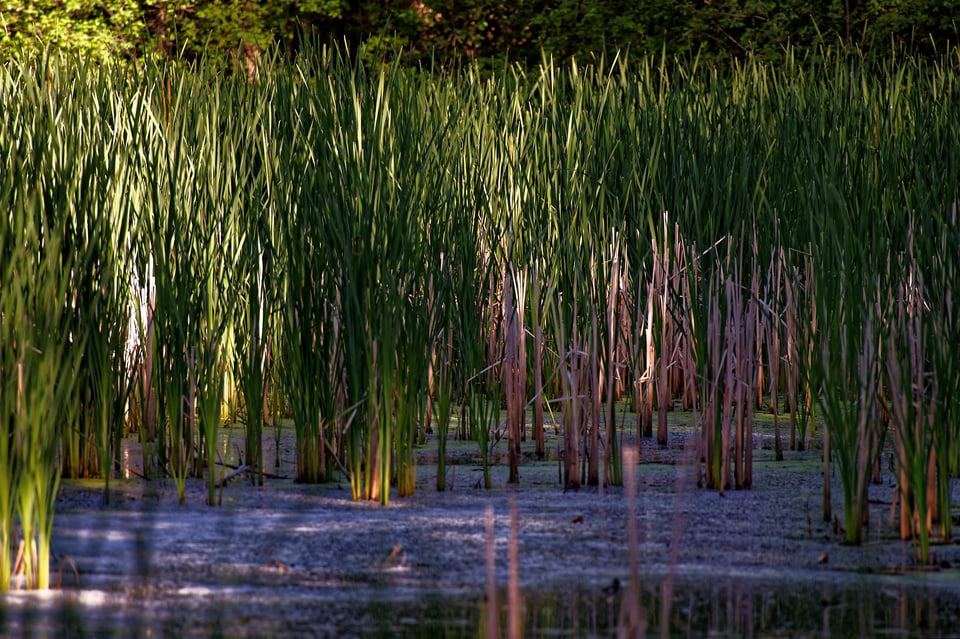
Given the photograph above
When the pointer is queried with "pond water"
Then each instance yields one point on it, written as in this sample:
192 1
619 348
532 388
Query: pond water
725 608
286 560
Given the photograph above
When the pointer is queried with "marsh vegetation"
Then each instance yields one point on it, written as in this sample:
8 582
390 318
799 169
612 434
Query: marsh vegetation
378 256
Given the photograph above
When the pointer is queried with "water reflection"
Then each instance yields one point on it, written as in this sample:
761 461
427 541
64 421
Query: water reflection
743 609
747 610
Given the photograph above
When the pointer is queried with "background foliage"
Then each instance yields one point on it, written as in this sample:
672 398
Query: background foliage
716 30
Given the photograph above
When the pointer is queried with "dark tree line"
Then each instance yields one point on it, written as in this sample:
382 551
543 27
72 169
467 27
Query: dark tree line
523 30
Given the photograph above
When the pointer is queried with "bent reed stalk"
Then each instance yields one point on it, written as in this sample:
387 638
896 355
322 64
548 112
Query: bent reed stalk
655 227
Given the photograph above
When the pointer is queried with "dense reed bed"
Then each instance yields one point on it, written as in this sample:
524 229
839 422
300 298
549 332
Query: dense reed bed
372 253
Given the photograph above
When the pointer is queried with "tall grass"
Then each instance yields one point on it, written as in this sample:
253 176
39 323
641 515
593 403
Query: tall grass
42 344
374 247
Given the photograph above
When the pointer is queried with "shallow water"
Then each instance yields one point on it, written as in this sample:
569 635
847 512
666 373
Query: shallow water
298 561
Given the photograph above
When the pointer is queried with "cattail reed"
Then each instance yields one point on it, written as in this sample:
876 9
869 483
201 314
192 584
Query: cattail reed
360 244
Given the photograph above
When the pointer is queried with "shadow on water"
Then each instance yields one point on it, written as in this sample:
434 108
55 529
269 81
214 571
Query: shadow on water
735 608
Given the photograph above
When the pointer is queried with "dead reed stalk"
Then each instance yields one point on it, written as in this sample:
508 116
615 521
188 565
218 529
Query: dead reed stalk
538 346
511 373
772 334
790 311
611 468
649 375
664 397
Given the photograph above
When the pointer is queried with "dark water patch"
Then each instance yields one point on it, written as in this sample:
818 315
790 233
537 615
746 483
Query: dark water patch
723 608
